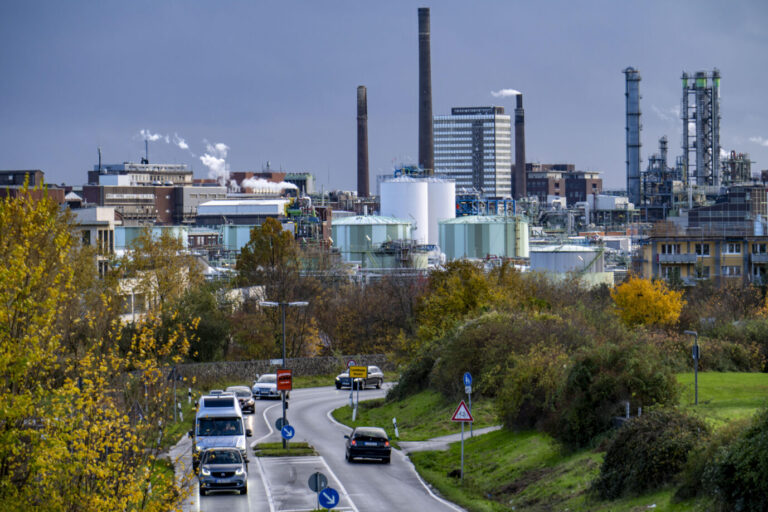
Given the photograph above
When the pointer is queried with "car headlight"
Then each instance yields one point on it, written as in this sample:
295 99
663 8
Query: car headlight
198 448
205 472
240 472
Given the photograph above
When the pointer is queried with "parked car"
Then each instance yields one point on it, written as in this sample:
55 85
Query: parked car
245 397
222 469
266 386
368 443
375 378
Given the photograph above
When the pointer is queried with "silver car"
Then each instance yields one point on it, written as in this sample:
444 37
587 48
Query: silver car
222 469
266 386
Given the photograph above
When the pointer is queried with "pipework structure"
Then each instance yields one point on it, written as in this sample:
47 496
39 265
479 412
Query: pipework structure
632 95
426 134
701 108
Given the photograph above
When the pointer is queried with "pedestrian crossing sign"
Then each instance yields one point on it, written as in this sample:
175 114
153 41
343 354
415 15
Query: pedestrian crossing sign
462 413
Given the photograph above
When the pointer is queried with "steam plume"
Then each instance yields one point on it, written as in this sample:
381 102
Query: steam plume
505 93
260 185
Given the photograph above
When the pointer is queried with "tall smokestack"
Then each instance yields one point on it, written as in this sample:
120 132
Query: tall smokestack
362 142
632 94
426 135
520 173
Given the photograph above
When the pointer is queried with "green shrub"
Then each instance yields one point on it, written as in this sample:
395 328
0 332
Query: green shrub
413 379
601 379
737 474
530 384
647 452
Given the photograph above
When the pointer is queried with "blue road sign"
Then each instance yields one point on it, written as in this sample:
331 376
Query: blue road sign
328 497
467 379
287 432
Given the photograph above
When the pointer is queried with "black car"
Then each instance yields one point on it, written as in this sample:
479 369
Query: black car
222 469
245 397
368 443
375 378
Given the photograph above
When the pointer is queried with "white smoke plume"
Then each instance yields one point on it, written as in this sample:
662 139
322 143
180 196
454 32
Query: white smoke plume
723 154
759 140
180 142
670 115
151 137
215 159
262 186
505 93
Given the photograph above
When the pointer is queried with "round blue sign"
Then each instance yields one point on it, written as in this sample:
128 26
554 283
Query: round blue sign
467 379
328 497
287 432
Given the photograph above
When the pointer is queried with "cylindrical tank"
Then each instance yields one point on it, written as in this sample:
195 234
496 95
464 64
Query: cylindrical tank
441 205
479 236
357 236
407 198
561 259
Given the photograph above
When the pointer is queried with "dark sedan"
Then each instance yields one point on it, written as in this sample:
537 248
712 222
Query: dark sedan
368 443
245 397
375 378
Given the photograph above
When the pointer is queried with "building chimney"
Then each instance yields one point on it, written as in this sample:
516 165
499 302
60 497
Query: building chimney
520 172
632 94
362 142
426 135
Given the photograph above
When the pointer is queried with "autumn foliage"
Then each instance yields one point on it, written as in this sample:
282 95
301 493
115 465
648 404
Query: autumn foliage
650 303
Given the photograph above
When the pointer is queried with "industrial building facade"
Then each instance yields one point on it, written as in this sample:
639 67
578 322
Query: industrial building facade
473 147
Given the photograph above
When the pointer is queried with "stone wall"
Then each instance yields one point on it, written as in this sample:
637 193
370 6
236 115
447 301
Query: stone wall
246 371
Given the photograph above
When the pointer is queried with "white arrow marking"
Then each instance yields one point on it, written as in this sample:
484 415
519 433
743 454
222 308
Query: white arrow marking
330 499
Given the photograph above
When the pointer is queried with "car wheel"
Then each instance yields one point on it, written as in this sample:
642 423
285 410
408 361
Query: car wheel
385 460
244 490
378 384
203 492
338 386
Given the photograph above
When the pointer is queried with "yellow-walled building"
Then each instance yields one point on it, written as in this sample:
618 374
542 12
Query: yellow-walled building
705 257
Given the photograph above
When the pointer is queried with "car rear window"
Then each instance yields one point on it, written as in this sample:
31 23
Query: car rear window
370 435
219 402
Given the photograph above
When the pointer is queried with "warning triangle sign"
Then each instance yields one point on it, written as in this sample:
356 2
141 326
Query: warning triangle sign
462 413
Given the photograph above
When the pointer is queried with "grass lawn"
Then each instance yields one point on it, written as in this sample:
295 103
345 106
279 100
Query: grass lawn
420 417
527 470
276 450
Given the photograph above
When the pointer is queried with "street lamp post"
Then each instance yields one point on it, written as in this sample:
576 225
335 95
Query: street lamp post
695 365
282 306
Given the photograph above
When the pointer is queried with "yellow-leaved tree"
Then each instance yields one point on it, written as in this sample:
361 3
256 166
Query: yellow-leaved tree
79 420
651 303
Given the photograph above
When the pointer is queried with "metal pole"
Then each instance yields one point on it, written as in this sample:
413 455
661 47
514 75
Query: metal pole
174 395
462 452
471 434
282 392
696 370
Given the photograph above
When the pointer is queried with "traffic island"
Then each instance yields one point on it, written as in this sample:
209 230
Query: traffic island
277 450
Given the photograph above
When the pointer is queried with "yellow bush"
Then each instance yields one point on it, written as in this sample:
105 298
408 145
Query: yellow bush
644 302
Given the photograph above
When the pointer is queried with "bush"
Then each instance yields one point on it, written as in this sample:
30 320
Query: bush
601 379
528 395
413 379
736 475
647 452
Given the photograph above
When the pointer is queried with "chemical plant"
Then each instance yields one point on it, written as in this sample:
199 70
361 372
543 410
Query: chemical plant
693 212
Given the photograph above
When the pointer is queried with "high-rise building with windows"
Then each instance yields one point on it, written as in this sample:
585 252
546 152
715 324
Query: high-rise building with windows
473 146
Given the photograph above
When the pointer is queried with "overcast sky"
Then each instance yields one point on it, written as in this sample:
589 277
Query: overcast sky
276 81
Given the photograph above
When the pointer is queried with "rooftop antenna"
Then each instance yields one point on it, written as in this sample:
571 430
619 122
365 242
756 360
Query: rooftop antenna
99 149
145 160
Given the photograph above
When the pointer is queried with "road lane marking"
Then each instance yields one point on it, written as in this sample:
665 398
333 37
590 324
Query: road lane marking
341 486
271 430
270 500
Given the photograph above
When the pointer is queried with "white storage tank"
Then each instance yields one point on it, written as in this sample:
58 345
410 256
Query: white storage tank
407 198
478 236
358 235
561 259
441 205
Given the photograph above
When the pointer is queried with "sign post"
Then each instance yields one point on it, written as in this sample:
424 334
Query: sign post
357 372
462 415
350 364
468 391
318 482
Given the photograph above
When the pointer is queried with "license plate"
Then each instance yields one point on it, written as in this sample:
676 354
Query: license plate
370 443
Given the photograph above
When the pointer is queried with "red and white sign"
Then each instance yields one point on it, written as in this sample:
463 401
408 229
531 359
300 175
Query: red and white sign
284 380
351 362
462 413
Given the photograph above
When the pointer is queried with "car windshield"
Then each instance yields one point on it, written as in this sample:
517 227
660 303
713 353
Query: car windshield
373 369
242 393
219 427
223 457
267 379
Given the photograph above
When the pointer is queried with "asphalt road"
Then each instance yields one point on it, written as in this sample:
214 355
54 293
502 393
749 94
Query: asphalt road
280 484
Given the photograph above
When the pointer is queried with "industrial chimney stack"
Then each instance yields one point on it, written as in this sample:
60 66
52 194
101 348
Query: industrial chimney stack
426 135
362 142
520 173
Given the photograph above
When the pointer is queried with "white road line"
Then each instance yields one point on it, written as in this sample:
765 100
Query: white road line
333 420
270 500
341 486
271 430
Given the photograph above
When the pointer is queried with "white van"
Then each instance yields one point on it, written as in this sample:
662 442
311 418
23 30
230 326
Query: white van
218 424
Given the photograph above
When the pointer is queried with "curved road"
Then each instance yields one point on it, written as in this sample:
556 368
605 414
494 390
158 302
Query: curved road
278 484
